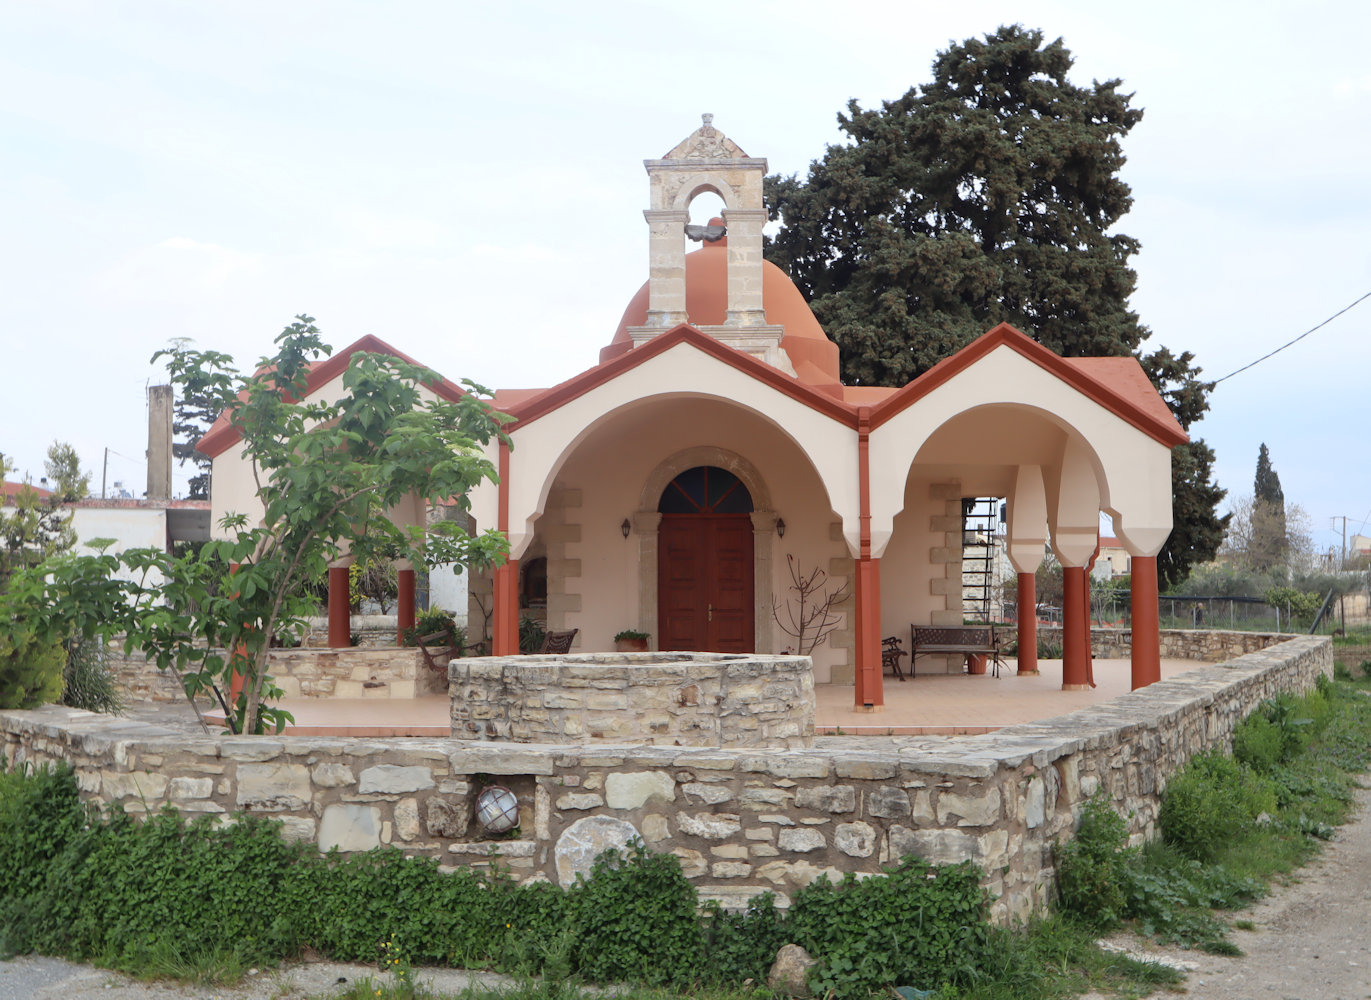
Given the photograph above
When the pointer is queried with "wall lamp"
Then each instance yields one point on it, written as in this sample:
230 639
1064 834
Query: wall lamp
780 526
625 527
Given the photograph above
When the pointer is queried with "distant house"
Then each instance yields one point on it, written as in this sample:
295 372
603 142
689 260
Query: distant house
139 524
1113 559
9 491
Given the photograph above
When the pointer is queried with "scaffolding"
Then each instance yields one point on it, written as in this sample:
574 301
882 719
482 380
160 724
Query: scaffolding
982 526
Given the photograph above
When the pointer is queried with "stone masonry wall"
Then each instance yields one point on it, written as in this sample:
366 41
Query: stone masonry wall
352 672
682 699
1205 645
741 821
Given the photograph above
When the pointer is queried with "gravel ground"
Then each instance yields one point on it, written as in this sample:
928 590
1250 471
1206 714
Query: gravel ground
35 978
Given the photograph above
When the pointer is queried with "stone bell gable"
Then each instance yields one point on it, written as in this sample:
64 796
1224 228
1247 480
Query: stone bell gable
708 161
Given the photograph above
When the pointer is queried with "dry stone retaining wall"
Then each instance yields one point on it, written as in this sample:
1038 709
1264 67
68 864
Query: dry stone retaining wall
741 821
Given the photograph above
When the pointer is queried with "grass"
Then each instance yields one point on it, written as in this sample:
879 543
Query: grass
223 966
370 989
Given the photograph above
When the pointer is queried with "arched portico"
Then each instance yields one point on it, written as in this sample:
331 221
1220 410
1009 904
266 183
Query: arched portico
608 479
1048 462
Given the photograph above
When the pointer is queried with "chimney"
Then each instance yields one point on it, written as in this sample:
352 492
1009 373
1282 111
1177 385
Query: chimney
159 442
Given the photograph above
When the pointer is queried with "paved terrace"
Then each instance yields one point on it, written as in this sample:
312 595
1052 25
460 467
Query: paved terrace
929 705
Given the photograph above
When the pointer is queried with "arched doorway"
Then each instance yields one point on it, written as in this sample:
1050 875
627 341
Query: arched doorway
705 565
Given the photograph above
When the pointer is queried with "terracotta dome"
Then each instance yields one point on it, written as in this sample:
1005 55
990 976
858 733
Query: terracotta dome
813 355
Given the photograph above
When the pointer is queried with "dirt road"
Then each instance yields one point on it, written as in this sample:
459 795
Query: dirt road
1313 938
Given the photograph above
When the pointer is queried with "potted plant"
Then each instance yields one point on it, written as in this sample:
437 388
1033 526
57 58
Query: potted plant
630 640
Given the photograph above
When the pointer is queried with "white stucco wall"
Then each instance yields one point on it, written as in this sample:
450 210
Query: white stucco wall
602 483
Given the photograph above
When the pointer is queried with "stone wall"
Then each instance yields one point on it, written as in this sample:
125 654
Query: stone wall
680 699
352 672
741 821
358 672
1205 645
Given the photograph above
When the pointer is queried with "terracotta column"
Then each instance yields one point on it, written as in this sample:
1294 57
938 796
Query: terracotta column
1028 624
869 694
505 617
404 602
1147 659
1075 629
339 603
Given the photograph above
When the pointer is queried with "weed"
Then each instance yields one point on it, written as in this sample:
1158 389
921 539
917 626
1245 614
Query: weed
1090 867
1212 801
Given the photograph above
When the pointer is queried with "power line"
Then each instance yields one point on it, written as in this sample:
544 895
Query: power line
1295 341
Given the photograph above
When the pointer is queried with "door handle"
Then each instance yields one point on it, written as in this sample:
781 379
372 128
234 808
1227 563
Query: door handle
710 611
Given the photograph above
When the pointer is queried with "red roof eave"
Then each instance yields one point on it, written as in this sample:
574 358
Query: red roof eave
1164 431
222 434
525 412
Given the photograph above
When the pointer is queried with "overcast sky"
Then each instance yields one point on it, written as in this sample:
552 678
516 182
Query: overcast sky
465 181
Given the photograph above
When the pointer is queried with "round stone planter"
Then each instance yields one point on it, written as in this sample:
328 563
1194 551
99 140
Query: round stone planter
667 698
630 645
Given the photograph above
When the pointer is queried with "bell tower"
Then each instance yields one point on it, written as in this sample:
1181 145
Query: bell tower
707 160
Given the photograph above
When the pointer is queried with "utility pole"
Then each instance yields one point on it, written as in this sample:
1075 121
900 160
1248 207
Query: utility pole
1342 560
1342 565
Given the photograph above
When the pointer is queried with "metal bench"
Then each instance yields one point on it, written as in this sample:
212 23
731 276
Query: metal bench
558 643
968 640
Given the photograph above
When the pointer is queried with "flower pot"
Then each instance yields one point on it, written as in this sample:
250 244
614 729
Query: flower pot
630 645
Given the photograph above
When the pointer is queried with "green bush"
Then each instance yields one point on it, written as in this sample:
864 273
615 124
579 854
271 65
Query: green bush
1260 743
30 670
1210 802
634 920
1090 867
1280 729
1300 605
433 621
920 926
742 946
41 813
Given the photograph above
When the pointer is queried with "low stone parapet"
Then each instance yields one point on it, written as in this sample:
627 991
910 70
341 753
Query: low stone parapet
345 672
676 699
741 820
357 672
1204 645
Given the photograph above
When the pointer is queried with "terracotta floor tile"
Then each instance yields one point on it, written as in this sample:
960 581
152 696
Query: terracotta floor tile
927 705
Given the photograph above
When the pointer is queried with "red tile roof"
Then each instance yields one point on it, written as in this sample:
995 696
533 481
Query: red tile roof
9 490
222 434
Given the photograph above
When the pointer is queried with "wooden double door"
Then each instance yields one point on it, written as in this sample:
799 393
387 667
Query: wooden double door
704 583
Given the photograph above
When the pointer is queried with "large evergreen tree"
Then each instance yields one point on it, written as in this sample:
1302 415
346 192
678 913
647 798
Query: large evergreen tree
988 195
